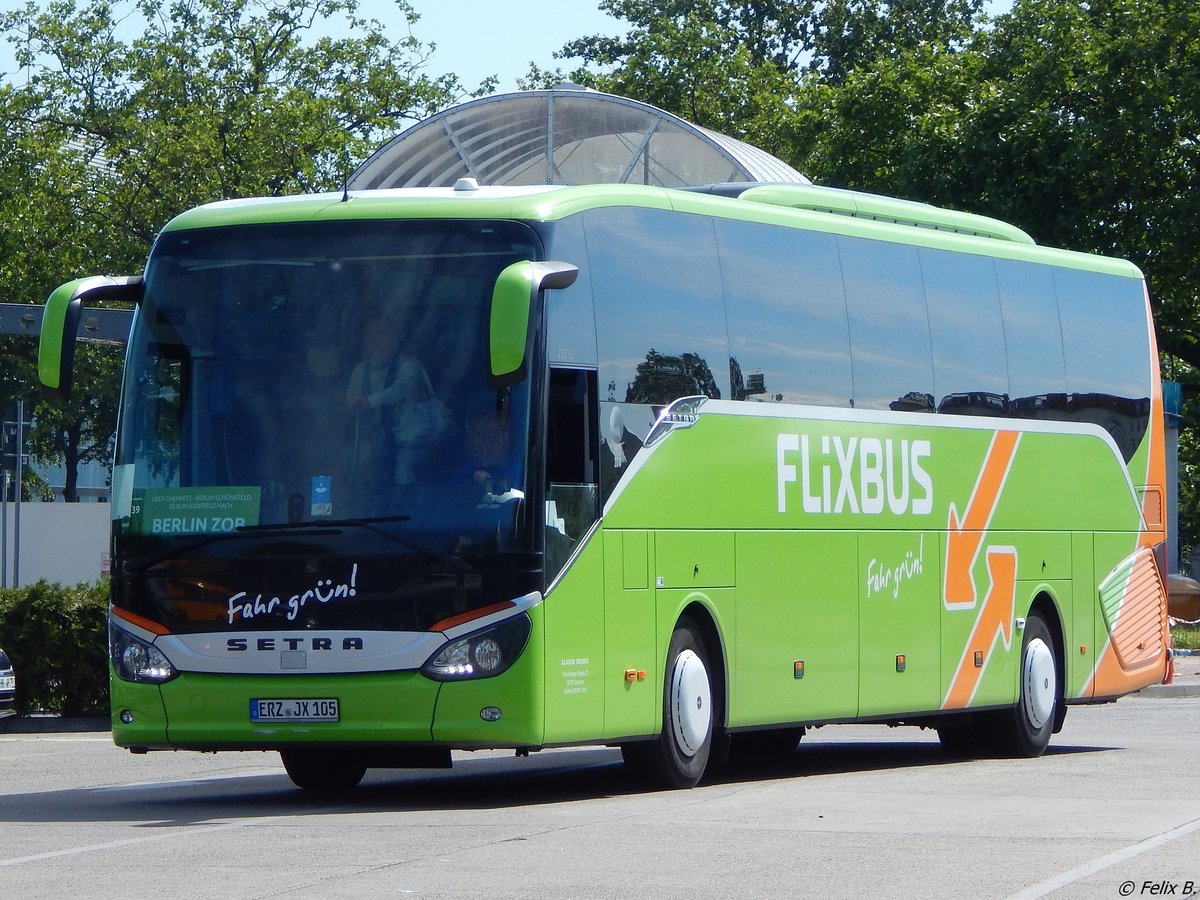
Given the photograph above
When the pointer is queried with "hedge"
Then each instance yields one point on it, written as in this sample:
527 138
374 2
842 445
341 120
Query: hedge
57 640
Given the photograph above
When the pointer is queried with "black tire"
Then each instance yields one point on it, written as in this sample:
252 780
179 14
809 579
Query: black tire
680 755
1025 730
322 770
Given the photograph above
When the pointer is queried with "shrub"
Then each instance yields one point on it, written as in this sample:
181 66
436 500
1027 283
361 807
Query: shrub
57 639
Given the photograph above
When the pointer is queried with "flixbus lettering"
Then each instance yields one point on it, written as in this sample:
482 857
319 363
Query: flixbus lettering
871 475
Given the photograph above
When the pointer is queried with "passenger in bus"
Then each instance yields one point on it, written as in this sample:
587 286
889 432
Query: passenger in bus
400 417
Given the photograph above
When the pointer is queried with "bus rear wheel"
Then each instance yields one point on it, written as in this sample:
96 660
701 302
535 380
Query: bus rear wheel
680 755
322 770
1025 729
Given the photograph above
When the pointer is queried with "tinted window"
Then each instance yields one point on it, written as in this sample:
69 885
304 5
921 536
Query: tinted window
889 326
571 324
659 310
660 322
1106 346
1104 334
788 338
970 372
1033 337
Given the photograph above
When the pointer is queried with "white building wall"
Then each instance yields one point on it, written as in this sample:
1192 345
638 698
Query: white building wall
65 543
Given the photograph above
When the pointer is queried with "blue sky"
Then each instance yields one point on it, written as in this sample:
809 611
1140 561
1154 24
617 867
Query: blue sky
474 38
477 38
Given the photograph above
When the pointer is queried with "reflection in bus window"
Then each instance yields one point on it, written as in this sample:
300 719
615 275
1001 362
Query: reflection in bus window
970 372
788 337
889 326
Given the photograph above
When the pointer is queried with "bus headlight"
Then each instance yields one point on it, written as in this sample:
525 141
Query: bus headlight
481 655
135 660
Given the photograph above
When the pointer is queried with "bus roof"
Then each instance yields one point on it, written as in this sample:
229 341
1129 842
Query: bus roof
797 206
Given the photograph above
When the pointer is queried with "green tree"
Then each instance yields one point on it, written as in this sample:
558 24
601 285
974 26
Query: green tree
693 59
738 67
107 139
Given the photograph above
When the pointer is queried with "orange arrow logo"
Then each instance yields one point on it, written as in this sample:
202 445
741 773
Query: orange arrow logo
964 541
995 622
966 537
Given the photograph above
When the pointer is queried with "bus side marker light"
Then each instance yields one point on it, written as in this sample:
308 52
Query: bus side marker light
1083 648
798 668
901 661
979 659
631 675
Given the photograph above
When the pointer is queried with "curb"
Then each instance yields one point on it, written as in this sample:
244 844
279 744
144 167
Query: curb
54 725
1169 690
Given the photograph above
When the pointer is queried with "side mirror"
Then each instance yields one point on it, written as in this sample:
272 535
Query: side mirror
60 323
513 298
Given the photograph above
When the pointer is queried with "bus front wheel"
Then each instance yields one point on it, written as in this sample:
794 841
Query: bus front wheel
322 770
678 758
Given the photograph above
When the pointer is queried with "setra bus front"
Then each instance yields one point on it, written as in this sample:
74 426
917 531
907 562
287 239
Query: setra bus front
325 536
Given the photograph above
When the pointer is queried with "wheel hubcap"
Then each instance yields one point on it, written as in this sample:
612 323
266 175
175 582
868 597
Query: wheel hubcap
691 702
1041 682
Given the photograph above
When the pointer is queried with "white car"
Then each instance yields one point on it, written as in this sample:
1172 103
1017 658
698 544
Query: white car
8 687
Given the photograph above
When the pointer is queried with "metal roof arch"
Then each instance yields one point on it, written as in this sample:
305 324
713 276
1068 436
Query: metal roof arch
564 135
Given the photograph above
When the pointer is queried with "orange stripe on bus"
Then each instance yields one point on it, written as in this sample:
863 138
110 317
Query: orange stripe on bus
140 621
452 621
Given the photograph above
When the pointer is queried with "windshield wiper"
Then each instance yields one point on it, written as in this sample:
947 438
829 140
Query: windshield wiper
321 523
328 526
138 566
450 559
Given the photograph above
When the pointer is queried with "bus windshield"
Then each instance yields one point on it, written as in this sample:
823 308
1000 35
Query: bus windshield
286 377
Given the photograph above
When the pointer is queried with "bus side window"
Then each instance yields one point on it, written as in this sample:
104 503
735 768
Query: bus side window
572 491
889 326
970 367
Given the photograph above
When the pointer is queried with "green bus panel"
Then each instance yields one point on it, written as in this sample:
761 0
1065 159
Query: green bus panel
631 641
684 559
576 676
1082 641
145 703
797 628
900 616
381 707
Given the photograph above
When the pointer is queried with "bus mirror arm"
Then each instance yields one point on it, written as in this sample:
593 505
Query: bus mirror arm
514 300
60 323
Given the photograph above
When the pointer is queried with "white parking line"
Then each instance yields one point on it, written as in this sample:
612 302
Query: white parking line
1096 865
128 842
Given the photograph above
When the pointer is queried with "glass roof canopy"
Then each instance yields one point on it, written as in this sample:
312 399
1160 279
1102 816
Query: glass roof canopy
566 135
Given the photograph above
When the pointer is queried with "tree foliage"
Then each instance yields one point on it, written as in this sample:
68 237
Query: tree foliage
108 138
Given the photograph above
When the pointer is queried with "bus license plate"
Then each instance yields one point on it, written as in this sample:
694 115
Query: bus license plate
324 710
8 682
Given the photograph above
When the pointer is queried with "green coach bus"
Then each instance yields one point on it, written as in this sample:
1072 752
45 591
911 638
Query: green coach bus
406 471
